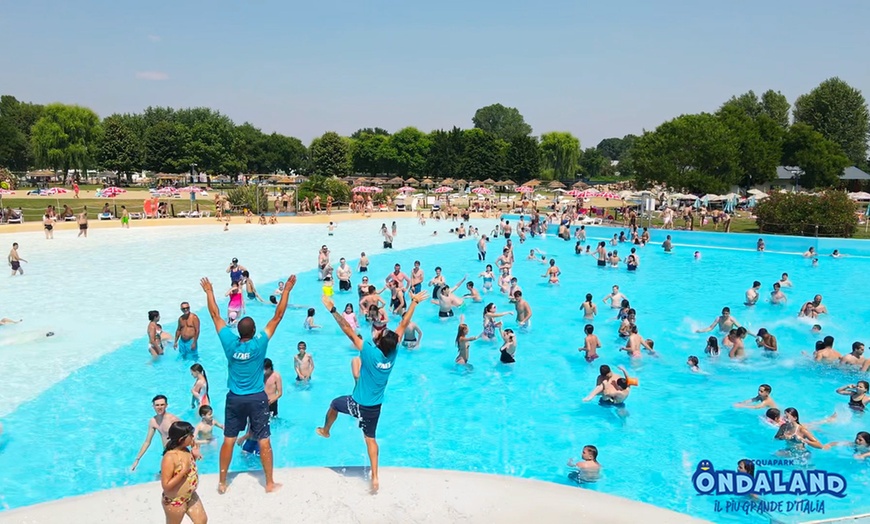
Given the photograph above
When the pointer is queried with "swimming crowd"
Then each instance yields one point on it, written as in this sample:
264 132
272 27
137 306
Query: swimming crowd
254 387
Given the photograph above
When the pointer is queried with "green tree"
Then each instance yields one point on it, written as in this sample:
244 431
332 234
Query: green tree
592 163
831 213
369 131
323 186
775 105
249 149
504 122
373 154
121 148
614 148
283 153
693 152
560 151
16 121
252 197
411 147
821 160
164 144
480 155
330 155
759 142
747 103
839 112
523 159
446 149
66 137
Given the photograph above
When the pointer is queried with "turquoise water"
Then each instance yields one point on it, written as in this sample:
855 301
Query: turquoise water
81 434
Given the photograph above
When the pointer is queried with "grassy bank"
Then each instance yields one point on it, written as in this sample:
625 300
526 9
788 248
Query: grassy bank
34 207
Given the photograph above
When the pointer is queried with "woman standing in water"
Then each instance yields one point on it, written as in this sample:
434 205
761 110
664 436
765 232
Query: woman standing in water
857 393
200 386
463 342
509 348
179 477
489 322
796 436
155 334
589 309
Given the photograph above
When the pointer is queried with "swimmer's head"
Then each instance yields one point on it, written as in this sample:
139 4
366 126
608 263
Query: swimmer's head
180 434
746 466
604 370
159 403
235 261
621 383
489 267
247 328
625 303
489 308
713 342
693 361
348 308
589 297
205 411
762 332
726 311
590 453
862 386
518 294
817 328
862 439
589 329
697 254
649 342
772 414
764 389
267 366
311 312
756 284
828 341
153 315
302 346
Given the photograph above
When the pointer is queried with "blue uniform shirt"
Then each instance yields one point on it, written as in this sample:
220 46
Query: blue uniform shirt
244 361
373 375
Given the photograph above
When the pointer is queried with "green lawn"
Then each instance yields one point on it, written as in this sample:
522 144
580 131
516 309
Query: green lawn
34 207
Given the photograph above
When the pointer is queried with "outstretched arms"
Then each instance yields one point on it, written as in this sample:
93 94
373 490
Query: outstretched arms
342 323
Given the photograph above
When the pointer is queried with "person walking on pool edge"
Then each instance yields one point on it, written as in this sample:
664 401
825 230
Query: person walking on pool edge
368 394
246 395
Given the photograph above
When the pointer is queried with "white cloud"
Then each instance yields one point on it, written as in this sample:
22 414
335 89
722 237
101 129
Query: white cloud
154 38
152 75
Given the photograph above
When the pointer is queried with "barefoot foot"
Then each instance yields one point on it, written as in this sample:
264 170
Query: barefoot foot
375 486
222 488
270 488
322 432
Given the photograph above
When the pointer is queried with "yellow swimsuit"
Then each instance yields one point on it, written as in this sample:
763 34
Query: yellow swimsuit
187 489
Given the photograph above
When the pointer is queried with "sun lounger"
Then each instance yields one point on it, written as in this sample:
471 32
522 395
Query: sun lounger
105 216
17 217
137 215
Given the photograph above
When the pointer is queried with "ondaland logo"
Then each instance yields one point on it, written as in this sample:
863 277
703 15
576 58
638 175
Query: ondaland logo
709 481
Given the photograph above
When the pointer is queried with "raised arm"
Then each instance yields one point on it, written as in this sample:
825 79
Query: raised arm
845 390
281 308
454 288
406 319
342 323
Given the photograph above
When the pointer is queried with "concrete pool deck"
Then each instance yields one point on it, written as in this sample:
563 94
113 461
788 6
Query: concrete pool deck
339 495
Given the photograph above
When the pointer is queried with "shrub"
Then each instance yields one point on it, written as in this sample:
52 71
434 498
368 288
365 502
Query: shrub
799 214
247 197
323 186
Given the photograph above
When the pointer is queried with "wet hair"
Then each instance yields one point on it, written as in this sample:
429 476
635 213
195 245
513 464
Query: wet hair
793 412
267 363
828 341
765 387
756 284
625 303
604 370
726 310
311 312
622 383
518 293
489 267
469 284
589 329
820 345
762 332
772 414
589 297
247 328
178 431
694 360
592 451
199 369
713 343
748 466
863 435
864 383
740 331
246 274
153 315
205 410
159 397
387 342
488 308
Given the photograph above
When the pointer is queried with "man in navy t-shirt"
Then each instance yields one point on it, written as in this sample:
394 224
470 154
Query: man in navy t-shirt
247 402
368 394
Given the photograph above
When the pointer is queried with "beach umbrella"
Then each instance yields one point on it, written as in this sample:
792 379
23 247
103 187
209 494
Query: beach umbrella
482 191
607 194
112 192
166 191
489 182
525 189
406 189
444 189
729 206
55 191
6 192
361 189
373 189
697 203
751 201
575 193
555 184
533 183
587 193
194 189
448 182
860 195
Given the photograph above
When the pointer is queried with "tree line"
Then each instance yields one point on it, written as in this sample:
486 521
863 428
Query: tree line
740 144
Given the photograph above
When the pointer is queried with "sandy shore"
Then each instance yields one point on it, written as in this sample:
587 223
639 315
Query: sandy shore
340 495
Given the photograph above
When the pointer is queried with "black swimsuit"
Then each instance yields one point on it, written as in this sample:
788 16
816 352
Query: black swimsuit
857 405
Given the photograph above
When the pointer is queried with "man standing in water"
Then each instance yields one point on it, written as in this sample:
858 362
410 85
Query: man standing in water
368 395
159 423
15 260
187 333
247 402
524 310
83 222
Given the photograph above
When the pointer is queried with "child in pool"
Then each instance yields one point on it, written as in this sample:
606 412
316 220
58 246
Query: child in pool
488 278
205 428
591 343
588 469
350 317
692 362
309 320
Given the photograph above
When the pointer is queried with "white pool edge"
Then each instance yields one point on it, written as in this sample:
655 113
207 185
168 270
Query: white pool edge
339 495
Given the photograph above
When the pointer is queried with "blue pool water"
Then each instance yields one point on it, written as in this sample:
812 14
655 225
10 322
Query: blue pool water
82 433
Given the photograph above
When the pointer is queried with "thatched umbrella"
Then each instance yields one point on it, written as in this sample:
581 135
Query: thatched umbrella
448 182
477 183
580 185
555 184
461 183
533 183
427 182
506 183
395 181
489 182
412 181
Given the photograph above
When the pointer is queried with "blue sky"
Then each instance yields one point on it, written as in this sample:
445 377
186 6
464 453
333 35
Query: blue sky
597 69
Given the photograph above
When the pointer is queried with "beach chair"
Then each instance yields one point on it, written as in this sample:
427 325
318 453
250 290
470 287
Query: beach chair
400 206
205 214
193 214
17 217
105 216
70 218
185 214
136 215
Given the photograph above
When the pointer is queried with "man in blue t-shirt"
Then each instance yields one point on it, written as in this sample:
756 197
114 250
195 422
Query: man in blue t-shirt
247 403
376 364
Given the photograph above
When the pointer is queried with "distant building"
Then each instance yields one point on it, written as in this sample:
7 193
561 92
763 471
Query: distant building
787 178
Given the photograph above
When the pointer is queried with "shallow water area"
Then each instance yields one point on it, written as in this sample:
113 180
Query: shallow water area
524 419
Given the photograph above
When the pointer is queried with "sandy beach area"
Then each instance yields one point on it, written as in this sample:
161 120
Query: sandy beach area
340 495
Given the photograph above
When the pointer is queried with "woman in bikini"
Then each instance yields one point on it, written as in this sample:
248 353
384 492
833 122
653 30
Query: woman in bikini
155 334
179 477
489 322
857 393
463 341
796 436
589 308
591 343
200 387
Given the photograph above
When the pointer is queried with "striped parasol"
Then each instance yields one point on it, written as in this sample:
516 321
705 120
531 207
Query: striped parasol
525 189
482 191
444 189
